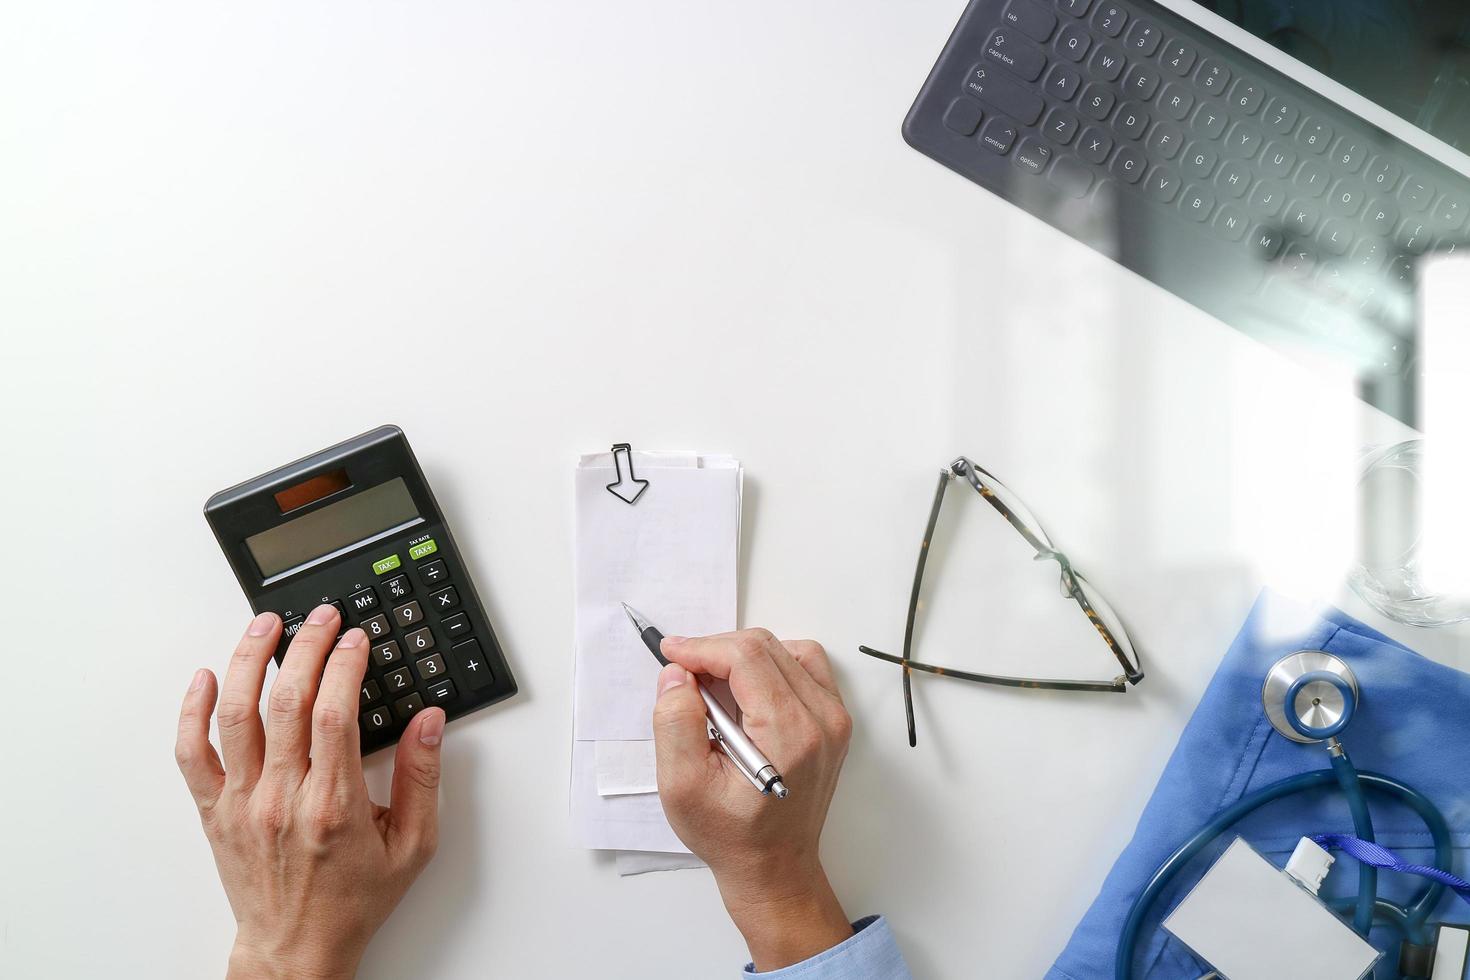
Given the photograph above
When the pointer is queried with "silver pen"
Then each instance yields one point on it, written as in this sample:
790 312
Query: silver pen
732 738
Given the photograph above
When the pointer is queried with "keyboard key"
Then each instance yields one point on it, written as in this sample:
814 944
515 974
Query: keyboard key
419 641
377 627
470 660
1314 135
1416 193
1243 141
363 602
1413 236
1074 7
1108 62
1265 242
1246 97
442 692
386 654
1110 18
1312 177
456 626
431 667
1005 93
1163 185
1277 160
1401 270
1097 101
1071 176
1131 121
433 572
1129 164
1449 213
1212 76
1178 57
370 693
1336 235
444 600
1383 174
377 719
1073 43
1268 197
1063 82
1166 140
1347 197
398 681
1060 126
963 116
407 707
1177 100
1230 222
1381 217
1300 259
1368 255
1031 19
1197 203
1281 117
998 135
1209 121
1142 82
1095 145
1234 178
1020 56
1348 155
408 614
1032 155
399 587
1143 38
1199 160
1302 217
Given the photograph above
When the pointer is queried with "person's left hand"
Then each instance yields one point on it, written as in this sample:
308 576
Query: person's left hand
310 864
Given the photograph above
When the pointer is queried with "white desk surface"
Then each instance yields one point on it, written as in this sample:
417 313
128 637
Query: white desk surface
233 234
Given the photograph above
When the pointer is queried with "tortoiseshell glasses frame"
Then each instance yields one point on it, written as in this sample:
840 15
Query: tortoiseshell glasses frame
1074 586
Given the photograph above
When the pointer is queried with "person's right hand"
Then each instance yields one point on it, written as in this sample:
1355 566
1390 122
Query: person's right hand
763 851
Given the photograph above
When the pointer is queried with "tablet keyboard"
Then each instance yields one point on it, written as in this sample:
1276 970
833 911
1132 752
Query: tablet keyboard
1224 181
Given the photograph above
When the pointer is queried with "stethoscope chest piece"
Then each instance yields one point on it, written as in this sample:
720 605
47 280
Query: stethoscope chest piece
1310 696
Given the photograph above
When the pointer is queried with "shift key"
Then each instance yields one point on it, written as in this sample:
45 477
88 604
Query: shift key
992 85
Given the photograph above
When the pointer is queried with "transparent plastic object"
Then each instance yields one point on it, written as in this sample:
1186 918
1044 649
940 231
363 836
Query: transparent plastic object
1389 574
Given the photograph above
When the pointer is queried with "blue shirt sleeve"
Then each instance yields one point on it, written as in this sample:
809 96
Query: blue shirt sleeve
870 954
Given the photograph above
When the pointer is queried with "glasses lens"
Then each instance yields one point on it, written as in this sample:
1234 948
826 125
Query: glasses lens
1013 503
1109 618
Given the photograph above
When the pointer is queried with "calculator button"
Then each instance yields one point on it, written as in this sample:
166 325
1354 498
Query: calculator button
398 681
364 601
408 615
431 667
370 693
423 549
341 609
387 654
385 565
419 641
398 588
456 626
444 600
442 692
377 627
377 719
409 706
433 572
471 661
292 627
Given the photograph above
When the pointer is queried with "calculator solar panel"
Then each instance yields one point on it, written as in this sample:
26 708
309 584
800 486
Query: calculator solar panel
1217 177
356 526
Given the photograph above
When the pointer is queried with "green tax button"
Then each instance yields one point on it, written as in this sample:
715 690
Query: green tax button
423 549
384 565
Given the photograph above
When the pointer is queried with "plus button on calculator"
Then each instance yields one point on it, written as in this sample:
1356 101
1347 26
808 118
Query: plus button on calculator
357 526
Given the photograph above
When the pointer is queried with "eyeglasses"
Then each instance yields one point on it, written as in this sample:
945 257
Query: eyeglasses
1074 586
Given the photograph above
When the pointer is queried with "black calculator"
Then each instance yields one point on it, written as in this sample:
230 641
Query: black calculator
356 526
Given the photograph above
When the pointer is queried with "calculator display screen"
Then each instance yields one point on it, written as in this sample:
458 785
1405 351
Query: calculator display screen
334 528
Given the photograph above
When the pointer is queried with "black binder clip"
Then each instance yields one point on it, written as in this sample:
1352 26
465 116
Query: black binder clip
627 487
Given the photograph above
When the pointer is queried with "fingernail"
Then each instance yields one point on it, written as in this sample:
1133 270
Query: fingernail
262 624
431 731
673 641
670 677
198 681
352 638
321 615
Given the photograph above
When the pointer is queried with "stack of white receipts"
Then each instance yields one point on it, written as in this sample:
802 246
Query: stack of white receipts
672 555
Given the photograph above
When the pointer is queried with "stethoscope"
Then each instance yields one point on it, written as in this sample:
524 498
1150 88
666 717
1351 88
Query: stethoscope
1310 697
